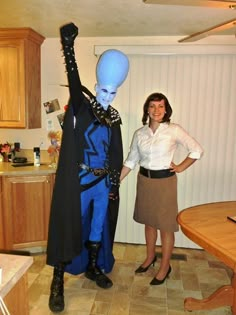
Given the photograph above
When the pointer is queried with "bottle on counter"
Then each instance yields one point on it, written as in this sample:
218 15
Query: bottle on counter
36 156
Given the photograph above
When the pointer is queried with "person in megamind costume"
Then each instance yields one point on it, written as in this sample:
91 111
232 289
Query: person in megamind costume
85 199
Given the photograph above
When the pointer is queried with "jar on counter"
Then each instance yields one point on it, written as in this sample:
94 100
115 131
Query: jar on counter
36 156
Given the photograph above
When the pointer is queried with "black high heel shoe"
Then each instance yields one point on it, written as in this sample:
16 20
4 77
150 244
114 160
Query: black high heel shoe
156 281
142 269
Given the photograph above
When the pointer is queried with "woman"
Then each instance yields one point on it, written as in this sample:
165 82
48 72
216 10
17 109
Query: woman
153 147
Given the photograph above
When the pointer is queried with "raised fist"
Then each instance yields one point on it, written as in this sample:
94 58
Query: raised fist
68 34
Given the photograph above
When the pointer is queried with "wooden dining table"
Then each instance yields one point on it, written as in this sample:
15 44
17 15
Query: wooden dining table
207 226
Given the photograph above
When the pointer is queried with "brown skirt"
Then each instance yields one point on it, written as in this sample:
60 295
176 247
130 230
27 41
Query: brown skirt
156 203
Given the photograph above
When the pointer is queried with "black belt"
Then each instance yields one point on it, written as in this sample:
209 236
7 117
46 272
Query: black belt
100 173
95 171
156 174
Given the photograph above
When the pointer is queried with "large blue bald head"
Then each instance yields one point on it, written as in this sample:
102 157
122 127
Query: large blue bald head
111 71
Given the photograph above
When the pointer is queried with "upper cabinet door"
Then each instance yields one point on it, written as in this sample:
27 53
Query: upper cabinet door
12 83
20 78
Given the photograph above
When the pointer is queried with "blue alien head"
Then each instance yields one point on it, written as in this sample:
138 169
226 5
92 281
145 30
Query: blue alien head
111 71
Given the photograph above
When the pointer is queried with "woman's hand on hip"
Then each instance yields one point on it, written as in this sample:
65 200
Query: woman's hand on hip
178 168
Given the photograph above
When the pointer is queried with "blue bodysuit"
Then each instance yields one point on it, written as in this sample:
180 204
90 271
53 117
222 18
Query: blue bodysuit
91 158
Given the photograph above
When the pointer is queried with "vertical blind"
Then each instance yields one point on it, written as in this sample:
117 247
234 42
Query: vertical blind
202 92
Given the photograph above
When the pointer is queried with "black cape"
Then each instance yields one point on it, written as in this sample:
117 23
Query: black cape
65 228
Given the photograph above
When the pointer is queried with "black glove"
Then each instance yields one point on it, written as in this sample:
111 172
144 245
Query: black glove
114 192
68 34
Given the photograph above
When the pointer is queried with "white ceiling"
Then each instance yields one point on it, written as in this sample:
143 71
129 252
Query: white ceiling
112 17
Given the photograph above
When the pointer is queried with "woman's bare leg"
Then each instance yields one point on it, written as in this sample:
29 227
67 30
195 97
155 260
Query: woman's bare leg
151 239
167 242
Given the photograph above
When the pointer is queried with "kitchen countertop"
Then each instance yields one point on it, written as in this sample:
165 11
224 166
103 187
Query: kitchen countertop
7 169
13 268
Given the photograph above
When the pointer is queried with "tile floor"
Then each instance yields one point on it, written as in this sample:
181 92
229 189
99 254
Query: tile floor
196 274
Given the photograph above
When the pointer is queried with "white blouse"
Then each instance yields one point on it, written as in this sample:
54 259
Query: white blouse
155 151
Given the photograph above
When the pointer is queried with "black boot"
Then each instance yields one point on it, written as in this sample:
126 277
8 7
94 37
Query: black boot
56 299
93 272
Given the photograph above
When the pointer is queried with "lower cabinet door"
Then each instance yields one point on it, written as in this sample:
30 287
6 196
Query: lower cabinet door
26 207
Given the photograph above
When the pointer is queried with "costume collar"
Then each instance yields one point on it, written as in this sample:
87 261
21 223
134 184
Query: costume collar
109 117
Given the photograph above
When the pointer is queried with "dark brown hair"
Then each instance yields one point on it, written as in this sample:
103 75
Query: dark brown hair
157 97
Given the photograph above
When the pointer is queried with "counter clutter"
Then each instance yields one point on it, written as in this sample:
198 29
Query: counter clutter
6 168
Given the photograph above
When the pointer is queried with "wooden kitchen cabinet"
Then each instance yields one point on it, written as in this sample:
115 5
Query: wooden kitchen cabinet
20 79
25 211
